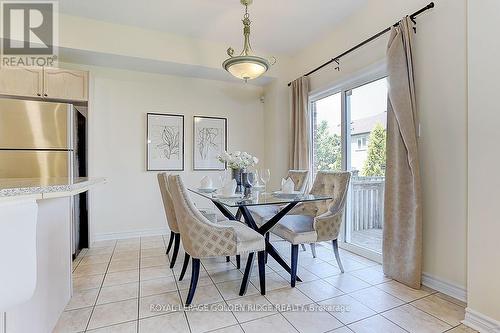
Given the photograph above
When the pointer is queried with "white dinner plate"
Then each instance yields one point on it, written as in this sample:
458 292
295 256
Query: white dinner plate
234 196
282 195
207 190
291 193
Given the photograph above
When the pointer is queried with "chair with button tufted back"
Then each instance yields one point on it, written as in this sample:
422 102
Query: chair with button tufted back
170 215
172 222
204 239
300 179
260 213
318 221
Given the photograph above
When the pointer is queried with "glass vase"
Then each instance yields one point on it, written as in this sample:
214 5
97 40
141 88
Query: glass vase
237 174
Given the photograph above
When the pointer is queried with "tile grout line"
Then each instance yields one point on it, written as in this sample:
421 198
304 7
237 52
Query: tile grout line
393 322
315 303
78 263
128 321
100 288
177 284
347 294
430 314
375 311
375 285
279 312
381 313
224 300
435 294
179 289
255 319
448 330
220 293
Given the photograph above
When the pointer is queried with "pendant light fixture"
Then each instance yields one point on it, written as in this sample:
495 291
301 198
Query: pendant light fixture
246 66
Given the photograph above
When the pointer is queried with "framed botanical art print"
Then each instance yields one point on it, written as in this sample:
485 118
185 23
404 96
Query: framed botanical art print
165 142
209 141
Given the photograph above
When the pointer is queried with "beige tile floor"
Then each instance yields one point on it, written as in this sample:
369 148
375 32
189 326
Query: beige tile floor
116 282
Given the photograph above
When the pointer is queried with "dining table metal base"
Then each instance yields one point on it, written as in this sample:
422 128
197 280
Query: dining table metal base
263 230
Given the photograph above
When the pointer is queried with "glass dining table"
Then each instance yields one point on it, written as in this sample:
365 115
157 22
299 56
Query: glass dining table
242 204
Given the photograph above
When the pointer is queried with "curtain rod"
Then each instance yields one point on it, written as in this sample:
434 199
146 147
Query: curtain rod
337 58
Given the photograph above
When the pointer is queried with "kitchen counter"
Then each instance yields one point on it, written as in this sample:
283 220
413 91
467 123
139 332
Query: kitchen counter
44 188
36 218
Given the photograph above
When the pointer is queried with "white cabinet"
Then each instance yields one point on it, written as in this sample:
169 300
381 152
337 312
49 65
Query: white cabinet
21 81
44 83
65 84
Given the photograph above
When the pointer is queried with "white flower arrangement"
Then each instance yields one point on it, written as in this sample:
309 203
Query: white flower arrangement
238 160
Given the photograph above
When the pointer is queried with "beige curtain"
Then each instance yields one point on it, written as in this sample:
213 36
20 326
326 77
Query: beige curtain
299 140
402 247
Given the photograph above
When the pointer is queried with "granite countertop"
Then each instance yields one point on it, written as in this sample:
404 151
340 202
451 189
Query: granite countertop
45 187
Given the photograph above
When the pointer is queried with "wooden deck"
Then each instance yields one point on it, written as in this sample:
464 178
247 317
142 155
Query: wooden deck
370 239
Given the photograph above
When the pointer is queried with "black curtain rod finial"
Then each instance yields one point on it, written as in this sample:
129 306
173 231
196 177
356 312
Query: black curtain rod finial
337 58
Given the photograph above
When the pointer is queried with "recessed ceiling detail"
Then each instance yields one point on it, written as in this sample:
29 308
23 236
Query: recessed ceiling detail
281 27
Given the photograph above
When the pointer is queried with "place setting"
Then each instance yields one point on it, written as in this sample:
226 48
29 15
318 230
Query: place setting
287 190
242 183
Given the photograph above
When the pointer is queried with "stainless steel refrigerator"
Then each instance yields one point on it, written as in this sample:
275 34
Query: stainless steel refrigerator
36 139
45 140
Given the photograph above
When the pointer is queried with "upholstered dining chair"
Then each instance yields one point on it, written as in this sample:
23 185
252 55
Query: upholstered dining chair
261 213
300 179
172 222
170 215
318 221
204 239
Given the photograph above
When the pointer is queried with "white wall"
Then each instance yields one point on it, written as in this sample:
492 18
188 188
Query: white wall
130 202
98 43
441 87
277 125
130 41
484 162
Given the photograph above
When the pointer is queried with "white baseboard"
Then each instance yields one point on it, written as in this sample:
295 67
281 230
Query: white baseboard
444 287
480 322
130 234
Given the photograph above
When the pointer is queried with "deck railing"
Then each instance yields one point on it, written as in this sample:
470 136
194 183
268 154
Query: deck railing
367 202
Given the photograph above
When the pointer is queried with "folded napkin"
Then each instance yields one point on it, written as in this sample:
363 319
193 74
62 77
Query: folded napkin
287 185
229 189
206 182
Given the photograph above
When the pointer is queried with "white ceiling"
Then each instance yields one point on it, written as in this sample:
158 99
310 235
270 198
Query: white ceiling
278 26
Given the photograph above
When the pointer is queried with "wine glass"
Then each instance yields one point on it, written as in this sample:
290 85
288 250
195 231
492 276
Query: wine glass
265 176
256 178
223 178
248 181
253 178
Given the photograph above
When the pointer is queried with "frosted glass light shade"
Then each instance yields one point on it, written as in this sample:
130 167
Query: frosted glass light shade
246 67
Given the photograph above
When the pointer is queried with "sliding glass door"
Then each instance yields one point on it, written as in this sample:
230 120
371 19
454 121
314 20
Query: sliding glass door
366 107
349 133
326 122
